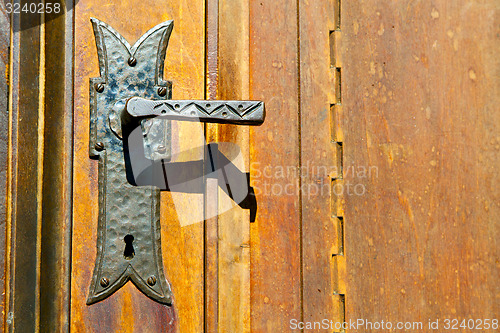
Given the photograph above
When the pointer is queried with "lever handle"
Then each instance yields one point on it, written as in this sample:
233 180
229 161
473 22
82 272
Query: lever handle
223 112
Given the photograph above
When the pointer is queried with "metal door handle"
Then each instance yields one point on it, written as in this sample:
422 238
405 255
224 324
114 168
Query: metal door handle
130 89
223 112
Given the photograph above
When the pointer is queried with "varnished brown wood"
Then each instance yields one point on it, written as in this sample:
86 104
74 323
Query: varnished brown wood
181 213
409 88
211 253
24 186
320 159
4 141
211 197
275 236
420 98
39 174
56 201
234 221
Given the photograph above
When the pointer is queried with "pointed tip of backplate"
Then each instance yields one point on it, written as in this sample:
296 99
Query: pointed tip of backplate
101 287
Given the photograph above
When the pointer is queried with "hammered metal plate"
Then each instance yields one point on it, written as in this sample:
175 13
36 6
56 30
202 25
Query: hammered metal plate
126 210
127 97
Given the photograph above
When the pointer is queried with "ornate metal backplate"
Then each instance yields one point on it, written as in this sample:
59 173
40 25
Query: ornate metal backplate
129 216
131 94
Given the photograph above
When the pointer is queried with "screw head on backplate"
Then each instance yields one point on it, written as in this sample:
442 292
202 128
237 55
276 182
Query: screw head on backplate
152 280
161 149
104 282
162 91
132 61
99 87
99 146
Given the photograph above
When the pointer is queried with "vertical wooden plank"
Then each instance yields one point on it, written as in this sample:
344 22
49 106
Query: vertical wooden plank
181 213
420 95
275 236
211 198
182 221
4 150
211 255
234 221
24 174
55 247
39 186
320 159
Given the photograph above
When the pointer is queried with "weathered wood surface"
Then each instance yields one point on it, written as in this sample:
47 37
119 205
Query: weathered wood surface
128 310
24 220
234 221
211 197
420 92
416 107
39 170
56 197
4 141
320 159
275 236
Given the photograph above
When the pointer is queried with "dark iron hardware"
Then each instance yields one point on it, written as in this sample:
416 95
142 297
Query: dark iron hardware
129 90
224 112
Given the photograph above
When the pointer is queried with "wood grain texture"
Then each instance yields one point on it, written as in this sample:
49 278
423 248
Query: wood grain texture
24 180
55 248
128 310
211 197
4 141
420 85
39 173
275 236
320 160
234 221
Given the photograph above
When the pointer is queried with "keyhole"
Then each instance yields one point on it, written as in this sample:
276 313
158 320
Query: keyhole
129 248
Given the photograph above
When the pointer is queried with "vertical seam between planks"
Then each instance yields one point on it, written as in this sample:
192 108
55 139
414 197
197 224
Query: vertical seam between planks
40 150
9 210
15 53
205 83
299 110
210 132
69 53
337 140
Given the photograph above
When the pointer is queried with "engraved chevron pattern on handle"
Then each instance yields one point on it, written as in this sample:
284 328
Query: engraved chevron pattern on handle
231 112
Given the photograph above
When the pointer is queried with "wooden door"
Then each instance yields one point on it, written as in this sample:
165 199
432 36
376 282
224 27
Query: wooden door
374 172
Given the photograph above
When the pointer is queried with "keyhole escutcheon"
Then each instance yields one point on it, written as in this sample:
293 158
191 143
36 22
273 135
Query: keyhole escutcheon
129 252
